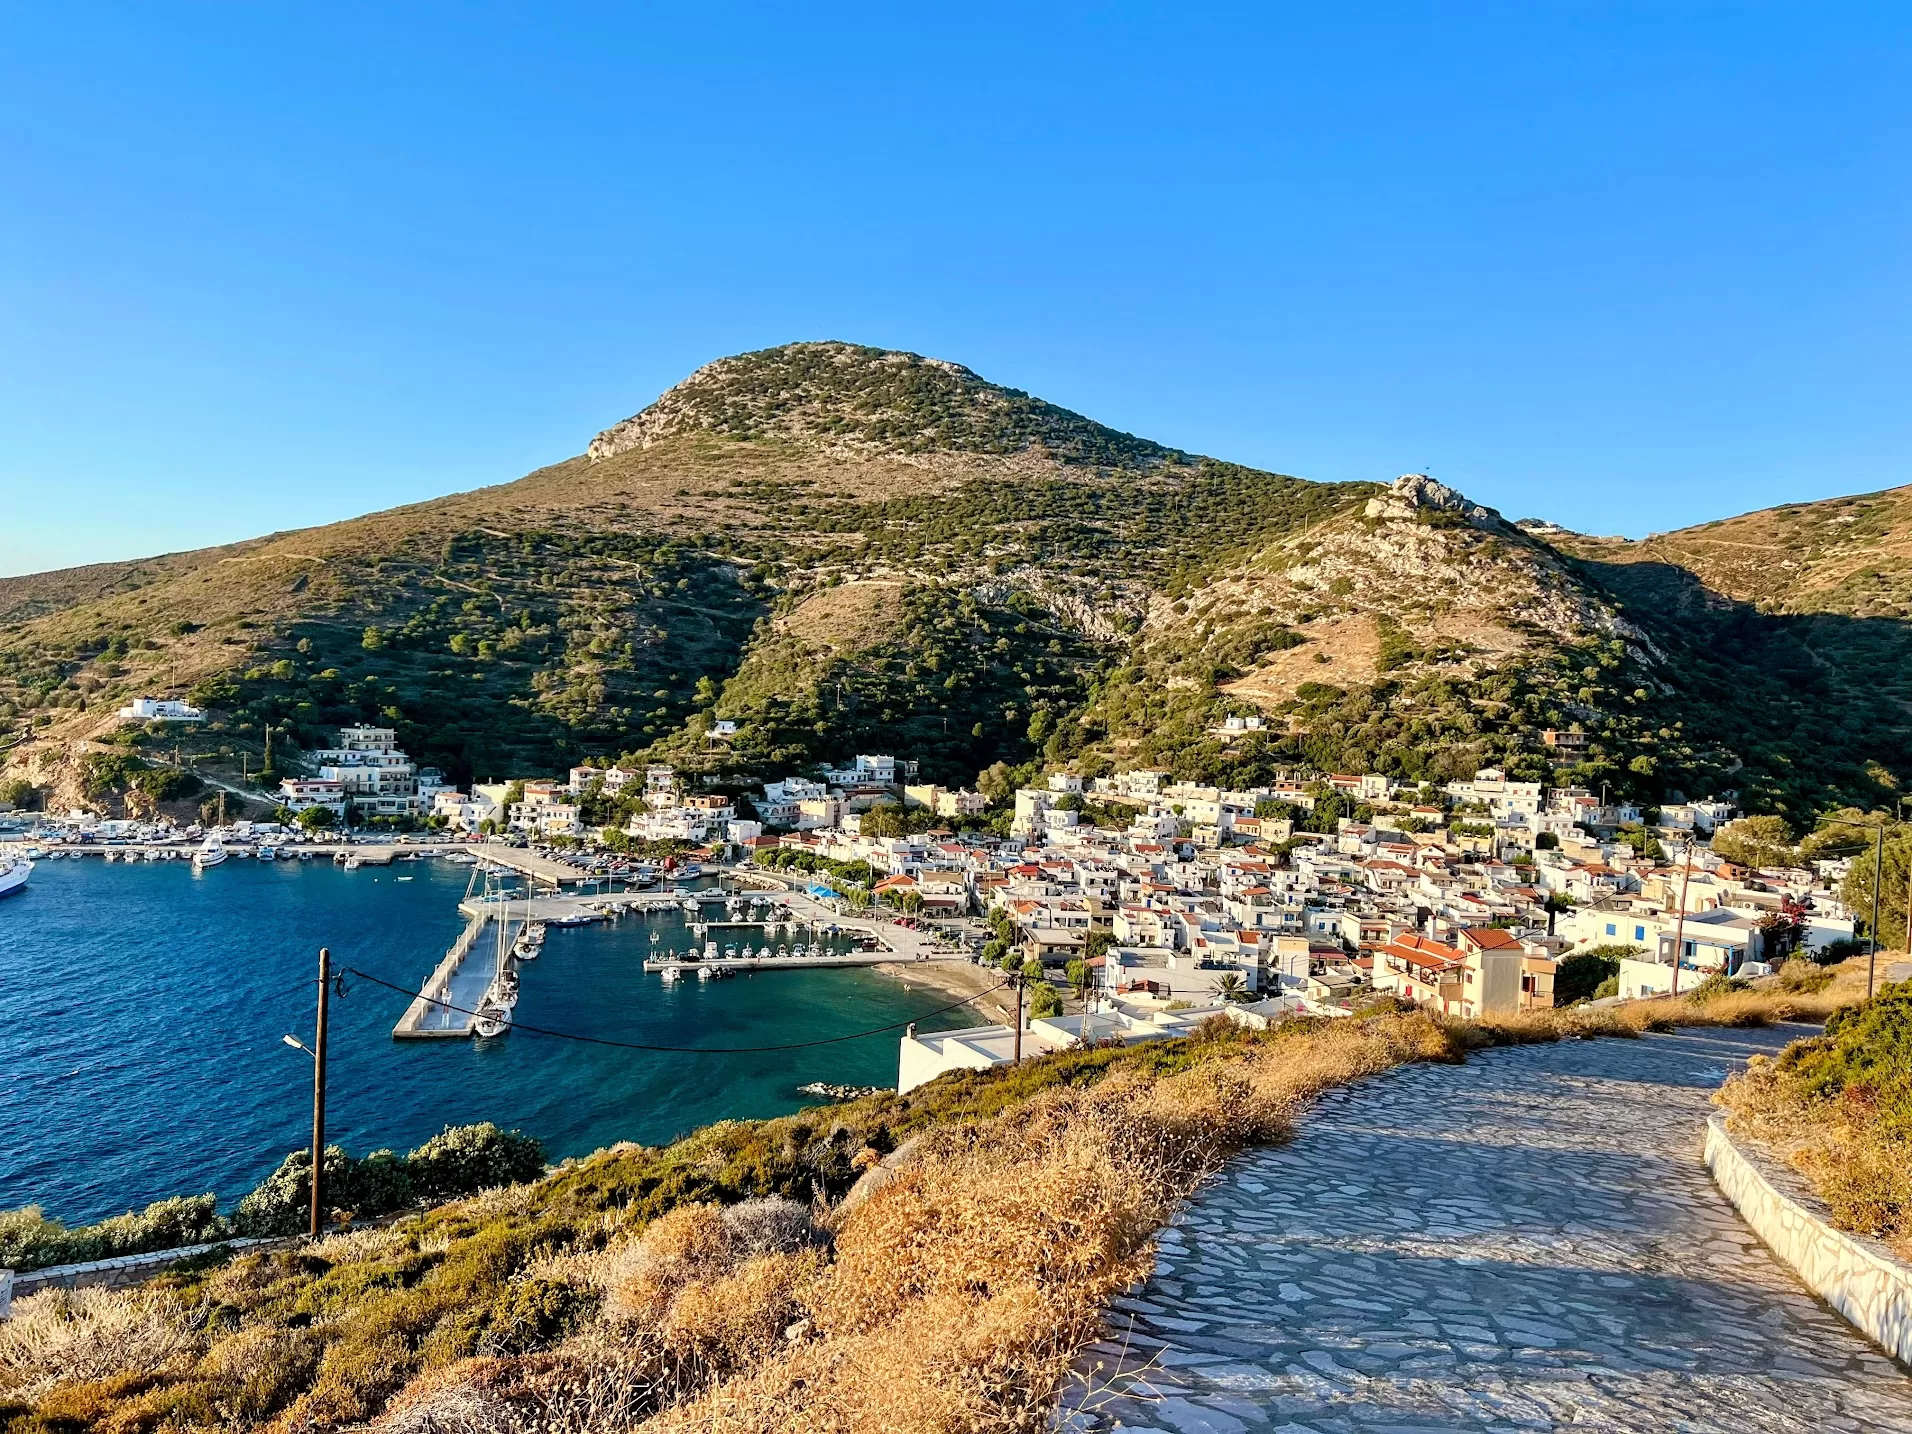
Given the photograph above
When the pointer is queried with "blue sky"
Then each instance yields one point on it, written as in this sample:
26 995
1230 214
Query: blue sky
1623 266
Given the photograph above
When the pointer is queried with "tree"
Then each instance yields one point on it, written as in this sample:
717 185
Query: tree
317 819
1078 972
994 950
1232 987
19 793
1044 1001
1581 975
1032 969
1097 943
1756 841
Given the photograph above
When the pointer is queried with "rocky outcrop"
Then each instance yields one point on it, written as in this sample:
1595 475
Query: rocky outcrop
1413 494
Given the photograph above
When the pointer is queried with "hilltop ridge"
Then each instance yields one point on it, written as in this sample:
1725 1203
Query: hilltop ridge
855 398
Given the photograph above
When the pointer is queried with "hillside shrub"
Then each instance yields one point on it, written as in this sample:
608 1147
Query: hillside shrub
463 1159
29 1240
459 1160
1838 1106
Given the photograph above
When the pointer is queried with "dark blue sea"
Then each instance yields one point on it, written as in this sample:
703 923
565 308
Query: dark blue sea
142 1008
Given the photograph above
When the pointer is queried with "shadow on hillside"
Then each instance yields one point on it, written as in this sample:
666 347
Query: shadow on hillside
1808 702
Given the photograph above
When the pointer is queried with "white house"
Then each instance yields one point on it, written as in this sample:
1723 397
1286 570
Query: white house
161 709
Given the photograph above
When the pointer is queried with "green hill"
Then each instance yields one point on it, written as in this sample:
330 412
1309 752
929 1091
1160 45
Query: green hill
843 548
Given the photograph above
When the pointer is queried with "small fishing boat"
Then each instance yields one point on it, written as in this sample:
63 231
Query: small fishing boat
704 973
271 853
670 975
211 852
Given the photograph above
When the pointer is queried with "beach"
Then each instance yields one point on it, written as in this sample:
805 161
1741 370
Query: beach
959 980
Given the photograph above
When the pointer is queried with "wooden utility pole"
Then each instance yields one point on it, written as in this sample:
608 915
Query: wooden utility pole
1015 983
1679 921
1878 880
318 1092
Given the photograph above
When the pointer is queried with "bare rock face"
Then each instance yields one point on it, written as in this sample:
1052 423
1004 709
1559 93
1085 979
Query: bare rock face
1412 493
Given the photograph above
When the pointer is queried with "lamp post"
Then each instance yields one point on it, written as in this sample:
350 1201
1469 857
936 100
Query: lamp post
317 1051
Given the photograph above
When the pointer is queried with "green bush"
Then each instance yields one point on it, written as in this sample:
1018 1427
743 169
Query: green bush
463 1159
1864 1058
459 1160
1044 1000
31 1241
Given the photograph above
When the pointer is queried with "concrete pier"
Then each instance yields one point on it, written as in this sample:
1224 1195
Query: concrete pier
459 980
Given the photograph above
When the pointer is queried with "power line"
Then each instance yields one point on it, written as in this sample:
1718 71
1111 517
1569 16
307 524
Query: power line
676 1050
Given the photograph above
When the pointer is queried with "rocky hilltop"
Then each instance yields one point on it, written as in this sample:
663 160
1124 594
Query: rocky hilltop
844 397
844 549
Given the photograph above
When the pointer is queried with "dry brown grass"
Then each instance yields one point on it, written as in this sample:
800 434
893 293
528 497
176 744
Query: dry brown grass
65 1337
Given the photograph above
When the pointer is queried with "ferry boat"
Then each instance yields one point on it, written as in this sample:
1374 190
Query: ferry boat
211 852
14 872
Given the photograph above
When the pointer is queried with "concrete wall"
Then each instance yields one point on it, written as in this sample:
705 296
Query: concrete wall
1859 1278
112 1274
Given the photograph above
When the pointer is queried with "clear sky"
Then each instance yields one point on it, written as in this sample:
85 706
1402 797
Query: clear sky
1626 266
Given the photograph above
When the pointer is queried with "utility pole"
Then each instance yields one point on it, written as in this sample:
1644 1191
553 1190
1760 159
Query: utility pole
1015 983
318 1090
1679 921
1878 879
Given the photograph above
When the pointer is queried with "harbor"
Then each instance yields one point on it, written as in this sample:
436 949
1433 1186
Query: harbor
730 931
229 957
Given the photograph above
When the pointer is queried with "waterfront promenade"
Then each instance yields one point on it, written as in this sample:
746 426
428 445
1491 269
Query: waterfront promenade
1526 1241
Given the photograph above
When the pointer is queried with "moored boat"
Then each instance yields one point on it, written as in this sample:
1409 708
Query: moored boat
211 852
14 872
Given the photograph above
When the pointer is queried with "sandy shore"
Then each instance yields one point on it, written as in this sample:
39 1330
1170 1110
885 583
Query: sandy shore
960 979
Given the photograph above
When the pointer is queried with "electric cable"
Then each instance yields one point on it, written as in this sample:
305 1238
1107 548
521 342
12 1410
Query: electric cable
676 1050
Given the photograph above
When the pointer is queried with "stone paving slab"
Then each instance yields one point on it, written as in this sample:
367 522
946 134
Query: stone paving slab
1528 1241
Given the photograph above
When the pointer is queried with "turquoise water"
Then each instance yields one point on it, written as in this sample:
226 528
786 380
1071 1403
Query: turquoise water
142 1009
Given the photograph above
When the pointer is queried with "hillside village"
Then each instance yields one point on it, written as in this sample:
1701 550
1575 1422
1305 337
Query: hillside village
1145 895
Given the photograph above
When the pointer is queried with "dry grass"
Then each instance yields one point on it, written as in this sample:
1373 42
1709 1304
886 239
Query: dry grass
64 1337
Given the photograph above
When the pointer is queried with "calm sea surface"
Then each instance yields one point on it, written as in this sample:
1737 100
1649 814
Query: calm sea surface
142 1006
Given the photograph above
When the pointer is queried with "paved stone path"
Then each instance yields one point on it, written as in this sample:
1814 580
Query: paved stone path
1528 1241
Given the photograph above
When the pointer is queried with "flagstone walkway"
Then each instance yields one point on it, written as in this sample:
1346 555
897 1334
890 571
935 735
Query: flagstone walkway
1525 1242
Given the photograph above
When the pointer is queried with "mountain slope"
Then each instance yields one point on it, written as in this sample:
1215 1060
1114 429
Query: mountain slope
842 548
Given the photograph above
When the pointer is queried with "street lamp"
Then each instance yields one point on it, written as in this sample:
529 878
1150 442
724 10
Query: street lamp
317 1051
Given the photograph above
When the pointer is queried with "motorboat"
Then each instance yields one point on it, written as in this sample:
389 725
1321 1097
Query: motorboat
671 975
704 973
211 852
271 853
14 872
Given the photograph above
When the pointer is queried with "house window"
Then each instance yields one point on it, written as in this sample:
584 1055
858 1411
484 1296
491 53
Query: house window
1610 928
1689 949
1639 933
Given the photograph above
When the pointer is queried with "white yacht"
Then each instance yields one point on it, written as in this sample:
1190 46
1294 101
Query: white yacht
211 852
14 872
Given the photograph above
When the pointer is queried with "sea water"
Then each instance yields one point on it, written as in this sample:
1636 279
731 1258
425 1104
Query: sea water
143 1008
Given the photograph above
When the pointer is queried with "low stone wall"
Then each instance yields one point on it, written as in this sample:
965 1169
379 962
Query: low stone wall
111 1274
1858 1277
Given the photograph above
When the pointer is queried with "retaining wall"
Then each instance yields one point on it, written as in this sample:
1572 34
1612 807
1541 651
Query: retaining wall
1858 1277
111 1274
